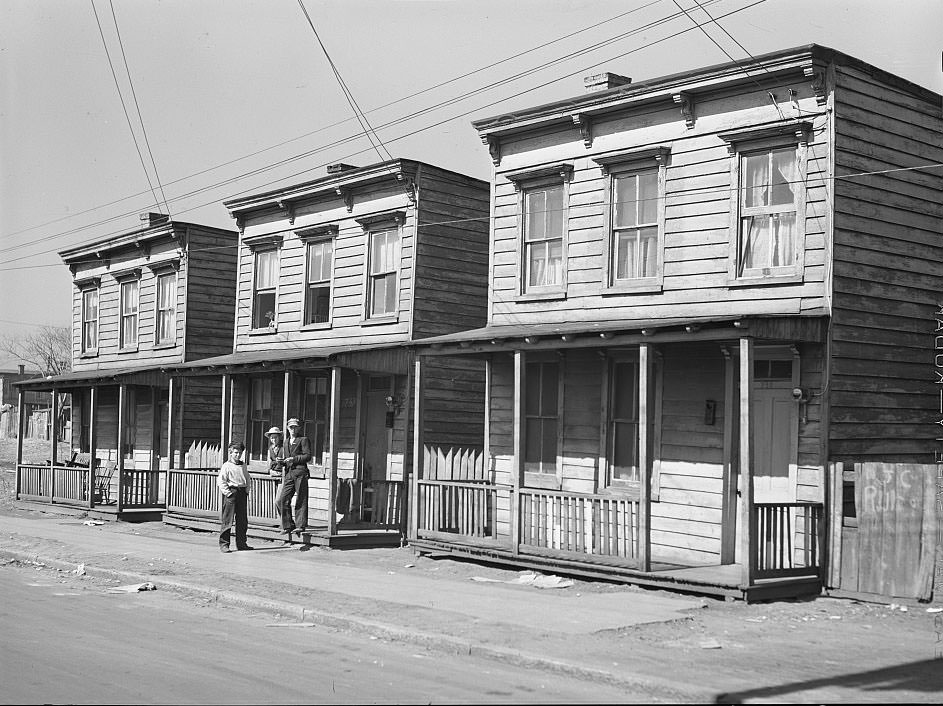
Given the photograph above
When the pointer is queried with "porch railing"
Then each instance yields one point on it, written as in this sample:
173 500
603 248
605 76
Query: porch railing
41 482
579 524
141 488
381 503
193 492
463 508
789 539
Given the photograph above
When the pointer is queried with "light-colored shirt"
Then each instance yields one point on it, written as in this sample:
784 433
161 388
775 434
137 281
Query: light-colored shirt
231 475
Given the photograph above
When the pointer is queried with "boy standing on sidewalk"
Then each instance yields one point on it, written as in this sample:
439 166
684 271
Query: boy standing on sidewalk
233 482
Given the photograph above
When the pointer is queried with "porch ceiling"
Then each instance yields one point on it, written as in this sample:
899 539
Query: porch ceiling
809 327
355 355
141 375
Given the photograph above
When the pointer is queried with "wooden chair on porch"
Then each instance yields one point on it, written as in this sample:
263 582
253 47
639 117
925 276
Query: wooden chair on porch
103 475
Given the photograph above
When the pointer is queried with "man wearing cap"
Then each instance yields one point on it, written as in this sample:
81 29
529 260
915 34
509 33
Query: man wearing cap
295 452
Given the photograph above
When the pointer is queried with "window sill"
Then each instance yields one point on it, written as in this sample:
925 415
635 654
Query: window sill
379 320
89 354
162 346
765 280
263 331
130 349
317 327
550 295
646 286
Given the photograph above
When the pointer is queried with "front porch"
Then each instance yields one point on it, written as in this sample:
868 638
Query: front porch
373 520
681 456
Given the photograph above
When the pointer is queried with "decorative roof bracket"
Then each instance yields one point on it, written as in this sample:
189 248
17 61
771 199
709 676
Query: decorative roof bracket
685 101
494 147
818 83
585 125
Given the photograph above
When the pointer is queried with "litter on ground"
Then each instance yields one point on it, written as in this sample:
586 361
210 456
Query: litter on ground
531 578
93 523
133 588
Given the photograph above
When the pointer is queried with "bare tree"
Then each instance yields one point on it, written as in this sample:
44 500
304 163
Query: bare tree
48 348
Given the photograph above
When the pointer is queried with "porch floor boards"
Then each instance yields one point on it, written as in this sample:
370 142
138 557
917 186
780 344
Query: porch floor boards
719 580
107 512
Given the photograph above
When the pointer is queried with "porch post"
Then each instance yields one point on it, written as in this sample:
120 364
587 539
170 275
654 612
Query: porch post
419 421
20 414
747 527
170 441
333 436
180 412
646 422
728 523
517 477
122 400
92 445
53 435
54 410
224 416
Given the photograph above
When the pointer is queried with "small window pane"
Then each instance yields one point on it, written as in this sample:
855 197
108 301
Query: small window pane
626 205
783 174
549 385
755 179
648 197
264 313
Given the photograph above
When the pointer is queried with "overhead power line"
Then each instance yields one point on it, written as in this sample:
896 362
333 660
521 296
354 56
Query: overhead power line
391 123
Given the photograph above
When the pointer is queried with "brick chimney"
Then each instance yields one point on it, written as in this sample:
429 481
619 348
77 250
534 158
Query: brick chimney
153 219
605 81
22 369
338 168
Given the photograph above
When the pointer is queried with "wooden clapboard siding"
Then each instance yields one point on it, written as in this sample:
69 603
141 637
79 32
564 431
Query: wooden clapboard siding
210 292
501 419
686 519
202 408
454 400
887 275
200 298
348 325
697 216
451 290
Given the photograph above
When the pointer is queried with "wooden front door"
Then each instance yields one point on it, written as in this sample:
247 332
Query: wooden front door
375 434
773 410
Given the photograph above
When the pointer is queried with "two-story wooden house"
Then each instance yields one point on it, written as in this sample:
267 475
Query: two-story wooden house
706 291
147 299
335 276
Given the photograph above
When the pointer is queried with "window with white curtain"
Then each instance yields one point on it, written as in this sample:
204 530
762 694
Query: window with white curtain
128 335
166 308
768 195
263 295
90 320
543 237
635 225
383 293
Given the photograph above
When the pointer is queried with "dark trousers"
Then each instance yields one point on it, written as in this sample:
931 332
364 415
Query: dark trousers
234 509
294 484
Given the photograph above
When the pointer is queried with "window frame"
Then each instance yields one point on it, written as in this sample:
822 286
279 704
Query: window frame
309 417
87 289
391 221
608 421
309 237
526 181
742 143
172 339
627 163
544 479
257 251
265 423
129 281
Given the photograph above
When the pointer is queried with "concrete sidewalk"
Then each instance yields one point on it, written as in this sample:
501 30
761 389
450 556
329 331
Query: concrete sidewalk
384 593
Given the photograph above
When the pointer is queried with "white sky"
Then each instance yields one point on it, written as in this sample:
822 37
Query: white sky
217 80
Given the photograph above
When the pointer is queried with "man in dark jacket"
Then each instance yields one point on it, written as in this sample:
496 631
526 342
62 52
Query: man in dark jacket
295 454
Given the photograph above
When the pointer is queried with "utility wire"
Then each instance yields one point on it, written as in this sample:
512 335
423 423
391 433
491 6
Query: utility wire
123 106
450 101
823 180
400 137
137 107
347 120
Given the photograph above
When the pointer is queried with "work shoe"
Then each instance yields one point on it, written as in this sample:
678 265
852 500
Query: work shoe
224 549
245 548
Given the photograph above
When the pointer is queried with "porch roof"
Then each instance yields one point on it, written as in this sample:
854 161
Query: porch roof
142 374
807 327
352 355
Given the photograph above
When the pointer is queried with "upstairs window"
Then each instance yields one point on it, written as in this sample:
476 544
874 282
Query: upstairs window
635 226
166 314
543 237
382 290
90 320
768 203
264 289
318 287
769 186
128 331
